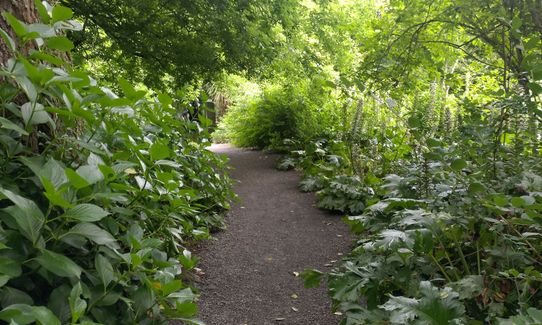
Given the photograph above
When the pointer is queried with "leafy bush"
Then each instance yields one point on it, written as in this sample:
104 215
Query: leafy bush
451 251
281 112
345 194
98 193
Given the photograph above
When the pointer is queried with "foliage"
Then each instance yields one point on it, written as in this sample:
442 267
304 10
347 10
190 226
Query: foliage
170 43
431 146
99 194
297 110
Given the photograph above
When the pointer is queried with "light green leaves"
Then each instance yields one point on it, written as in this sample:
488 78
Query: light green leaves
17 26
25 314
436 306
75 179
26 215
34 113
61 13
8 125
312 278
59 43
159 151
58 264
78 306
90 173
458 164
94 233
42 11
476 187
86 212
104 269
8 40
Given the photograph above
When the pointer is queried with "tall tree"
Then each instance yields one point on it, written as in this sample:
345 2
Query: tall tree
171 42
24 10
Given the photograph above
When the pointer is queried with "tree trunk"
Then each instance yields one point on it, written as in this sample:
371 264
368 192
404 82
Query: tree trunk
24 10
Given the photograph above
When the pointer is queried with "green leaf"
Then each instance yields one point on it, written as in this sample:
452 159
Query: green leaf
414 122
78 306
86 212
104 269
535 88
187 260
186 309
44 15
18 26
10 267
75 179
61 13
458 164
4 279
312 278
58 264
171 287
403 309
19 313
143 299
91 173
59 43
27 215
469 287
28 87
159 151
54 172
44 316
8 125
55 60
95 234
34 113
8 40
165 99
183 295
12 296
476 188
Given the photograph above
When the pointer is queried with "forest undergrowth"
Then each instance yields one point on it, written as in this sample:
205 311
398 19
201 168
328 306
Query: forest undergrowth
100 194
419 121
429 142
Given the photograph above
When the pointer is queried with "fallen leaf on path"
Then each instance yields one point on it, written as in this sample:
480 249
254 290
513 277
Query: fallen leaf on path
295 273
338 313
280 319
295 309
294 296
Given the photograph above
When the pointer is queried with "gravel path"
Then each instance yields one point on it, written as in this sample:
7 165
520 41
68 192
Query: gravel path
274 231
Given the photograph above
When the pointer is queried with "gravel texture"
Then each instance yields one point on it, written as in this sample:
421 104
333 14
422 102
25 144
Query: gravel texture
275 230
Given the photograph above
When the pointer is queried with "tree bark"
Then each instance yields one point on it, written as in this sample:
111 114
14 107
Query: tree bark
24 10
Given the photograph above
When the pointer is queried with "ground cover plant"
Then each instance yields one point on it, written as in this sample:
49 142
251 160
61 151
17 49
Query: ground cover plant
100 193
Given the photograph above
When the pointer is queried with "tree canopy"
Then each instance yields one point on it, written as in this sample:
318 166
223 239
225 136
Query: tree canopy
162 41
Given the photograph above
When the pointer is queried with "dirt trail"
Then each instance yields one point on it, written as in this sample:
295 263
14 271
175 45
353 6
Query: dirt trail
272 232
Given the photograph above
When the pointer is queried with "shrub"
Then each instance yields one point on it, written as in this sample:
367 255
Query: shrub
98 193
304 111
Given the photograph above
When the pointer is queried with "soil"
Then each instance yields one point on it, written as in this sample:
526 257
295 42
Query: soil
273 232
